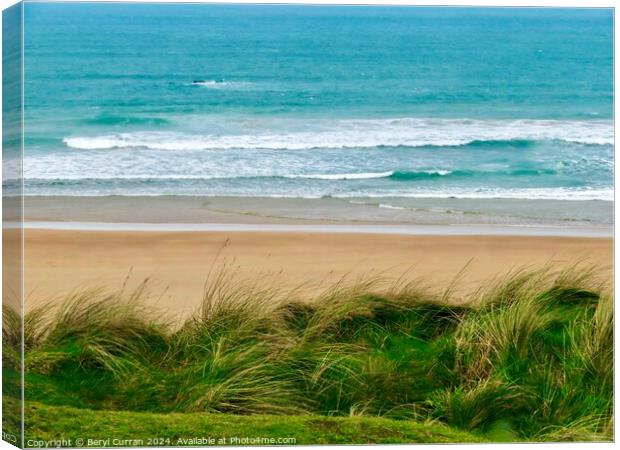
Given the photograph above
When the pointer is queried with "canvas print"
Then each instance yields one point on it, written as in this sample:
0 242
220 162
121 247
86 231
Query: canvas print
232 224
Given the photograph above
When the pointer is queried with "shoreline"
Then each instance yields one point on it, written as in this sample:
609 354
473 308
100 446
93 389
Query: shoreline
78 242
407 230
192 212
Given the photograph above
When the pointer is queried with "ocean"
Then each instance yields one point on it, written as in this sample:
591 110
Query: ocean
383 103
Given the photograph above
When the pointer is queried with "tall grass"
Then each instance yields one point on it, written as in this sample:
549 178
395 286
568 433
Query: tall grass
529 357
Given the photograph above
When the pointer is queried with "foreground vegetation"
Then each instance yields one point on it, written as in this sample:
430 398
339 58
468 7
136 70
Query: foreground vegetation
528 358
48 423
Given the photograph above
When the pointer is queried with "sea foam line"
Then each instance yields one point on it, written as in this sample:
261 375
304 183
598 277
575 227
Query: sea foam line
554 194
362 134
560 193
300 176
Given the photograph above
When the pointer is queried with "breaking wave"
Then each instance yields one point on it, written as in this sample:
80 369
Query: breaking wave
364 134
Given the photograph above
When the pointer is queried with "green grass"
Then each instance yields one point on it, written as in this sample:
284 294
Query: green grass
527 358
49 423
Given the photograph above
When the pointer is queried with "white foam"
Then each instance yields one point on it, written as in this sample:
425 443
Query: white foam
342 176
438 172
386 206
560 193
174 176
408 132
214 84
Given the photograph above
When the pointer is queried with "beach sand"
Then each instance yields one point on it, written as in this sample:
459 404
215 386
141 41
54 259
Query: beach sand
177 263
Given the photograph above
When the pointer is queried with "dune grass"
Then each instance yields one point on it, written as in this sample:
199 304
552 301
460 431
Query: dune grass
526 358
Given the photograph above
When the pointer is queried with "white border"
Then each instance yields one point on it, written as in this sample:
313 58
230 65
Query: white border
488 3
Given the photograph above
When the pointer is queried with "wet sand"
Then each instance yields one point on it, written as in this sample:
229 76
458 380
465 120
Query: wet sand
267 210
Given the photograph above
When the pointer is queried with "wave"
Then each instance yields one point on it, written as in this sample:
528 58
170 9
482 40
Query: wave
558 193
386 206
173 177
515 143
126 120
406 132
553 194
424 174
342 176
399 175
395 175
392 174
221 84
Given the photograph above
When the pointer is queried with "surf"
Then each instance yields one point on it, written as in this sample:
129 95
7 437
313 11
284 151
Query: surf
404 132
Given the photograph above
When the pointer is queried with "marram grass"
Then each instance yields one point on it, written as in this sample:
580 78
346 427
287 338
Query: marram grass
527 358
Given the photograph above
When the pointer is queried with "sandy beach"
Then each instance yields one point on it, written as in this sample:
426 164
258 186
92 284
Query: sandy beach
177 263
85 242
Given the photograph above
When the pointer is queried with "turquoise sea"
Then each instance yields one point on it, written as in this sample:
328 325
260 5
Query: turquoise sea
316 101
